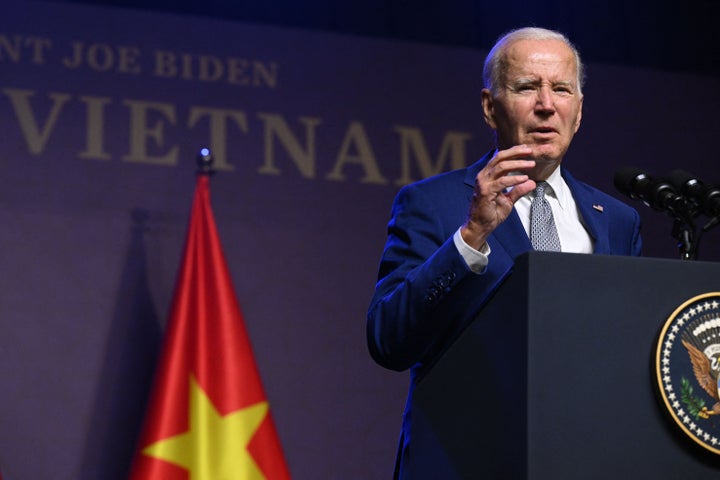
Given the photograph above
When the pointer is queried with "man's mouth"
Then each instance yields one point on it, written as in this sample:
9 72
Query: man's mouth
543 130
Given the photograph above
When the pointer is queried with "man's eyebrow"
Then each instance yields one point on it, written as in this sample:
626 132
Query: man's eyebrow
524 81
537 81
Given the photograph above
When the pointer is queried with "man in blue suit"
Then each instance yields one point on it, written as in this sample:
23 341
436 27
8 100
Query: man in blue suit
453 238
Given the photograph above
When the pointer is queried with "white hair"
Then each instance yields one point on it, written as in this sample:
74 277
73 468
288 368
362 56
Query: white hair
496 65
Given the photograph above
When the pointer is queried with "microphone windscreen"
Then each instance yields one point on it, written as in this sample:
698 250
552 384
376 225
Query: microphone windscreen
682 180
625 179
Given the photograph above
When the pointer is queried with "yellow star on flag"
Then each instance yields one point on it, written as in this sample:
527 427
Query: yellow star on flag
215 446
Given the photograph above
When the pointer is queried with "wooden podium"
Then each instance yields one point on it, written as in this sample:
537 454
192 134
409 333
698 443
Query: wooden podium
555 377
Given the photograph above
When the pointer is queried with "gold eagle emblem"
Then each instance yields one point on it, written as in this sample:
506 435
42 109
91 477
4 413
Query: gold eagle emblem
705 376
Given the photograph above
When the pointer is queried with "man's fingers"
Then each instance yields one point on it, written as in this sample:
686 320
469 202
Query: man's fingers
496 180
520 189
506 169
507 181
512 153
511 160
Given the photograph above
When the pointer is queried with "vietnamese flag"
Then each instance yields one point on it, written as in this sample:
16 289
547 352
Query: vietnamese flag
208 417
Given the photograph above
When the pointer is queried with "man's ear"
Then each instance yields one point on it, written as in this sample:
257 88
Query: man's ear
488 106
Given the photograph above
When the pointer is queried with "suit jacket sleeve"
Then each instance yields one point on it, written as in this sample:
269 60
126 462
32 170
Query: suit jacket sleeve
425 292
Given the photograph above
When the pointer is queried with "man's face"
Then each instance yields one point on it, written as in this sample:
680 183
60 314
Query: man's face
537 102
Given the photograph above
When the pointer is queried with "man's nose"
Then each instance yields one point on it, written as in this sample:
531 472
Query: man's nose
545 102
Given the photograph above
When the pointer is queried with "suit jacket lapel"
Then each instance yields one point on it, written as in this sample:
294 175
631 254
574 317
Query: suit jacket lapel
591 212
511 236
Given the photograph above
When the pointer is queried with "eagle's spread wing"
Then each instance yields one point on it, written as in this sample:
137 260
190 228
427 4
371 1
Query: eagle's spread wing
701 368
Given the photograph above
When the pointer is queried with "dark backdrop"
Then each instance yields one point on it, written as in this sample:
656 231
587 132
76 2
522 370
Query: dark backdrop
667 35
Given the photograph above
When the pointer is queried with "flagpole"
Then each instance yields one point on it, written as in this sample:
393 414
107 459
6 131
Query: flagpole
204 162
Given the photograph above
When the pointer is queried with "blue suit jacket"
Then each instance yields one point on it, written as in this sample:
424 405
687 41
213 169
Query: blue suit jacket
426 295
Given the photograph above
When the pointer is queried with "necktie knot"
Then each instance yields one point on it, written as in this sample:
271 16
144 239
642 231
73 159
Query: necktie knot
540 189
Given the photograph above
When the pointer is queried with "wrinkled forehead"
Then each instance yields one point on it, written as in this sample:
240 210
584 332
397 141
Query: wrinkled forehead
551 59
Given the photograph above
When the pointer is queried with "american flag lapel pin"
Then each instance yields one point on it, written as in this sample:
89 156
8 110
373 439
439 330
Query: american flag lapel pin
597 207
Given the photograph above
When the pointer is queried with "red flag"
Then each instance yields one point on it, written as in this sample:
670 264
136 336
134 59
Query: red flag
208 417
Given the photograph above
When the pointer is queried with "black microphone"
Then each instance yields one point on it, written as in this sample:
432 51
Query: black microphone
632 182
706 198
655 193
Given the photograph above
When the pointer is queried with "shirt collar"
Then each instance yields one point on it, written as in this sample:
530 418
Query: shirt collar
559 187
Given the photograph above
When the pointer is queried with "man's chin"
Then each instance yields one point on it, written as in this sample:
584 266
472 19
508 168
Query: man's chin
546 154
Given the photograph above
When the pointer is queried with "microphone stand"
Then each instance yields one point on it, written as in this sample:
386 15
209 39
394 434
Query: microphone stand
684 233
683 214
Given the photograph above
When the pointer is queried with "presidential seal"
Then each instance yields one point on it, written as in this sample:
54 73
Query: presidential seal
687 366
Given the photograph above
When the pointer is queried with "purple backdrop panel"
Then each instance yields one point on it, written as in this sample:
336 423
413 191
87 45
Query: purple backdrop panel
102 112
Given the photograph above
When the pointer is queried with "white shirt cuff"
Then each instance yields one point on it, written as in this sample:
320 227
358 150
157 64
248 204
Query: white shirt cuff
476 260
